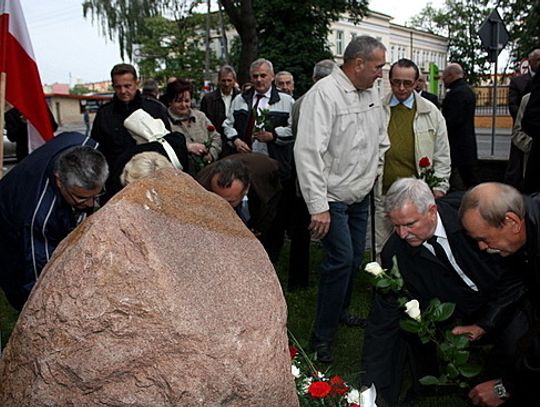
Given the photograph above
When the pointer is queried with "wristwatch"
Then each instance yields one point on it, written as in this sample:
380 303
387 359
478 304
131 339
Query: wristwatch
500 390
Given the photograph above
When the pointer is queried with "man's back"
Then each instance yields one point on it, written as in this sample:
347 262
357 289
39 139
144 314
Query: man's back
33 216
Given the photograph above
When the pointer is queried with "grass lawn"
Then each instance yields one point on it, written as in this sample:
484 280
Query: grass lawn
301 308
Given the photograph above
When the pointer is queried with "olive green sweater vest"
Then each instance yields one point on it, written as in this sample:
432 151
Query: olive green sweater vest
400 159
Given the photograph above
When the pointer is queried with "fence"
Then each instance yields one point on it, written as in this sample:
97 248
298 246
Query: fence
484 101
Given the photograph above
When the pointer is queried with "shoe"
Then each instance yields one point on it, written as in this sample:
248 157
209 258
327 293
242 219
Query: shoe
323 352
353 320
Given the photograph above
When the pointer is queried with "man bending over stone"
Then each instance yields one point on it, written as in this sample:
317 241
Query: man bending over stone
42 199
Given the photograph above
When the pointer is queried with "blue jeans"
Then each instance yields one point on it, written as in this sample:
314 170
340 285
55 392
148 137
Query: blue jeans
344 245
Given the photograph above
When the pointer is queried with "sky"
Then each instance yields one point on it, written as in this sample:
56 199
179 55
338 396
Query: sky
70 49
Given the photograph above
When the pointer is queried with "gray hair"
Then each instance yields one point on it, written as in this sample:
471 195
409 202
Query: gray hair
285 73
493 204
226 69
261 61
409 190
81 167
143 165
322 69
362 46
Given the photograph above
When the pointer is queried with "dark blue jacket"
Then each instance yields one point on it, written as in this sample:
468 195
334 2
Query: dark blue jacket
34 217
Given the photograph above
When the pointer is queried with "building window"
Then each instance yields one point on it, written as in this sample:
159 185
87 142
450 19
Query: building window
339 42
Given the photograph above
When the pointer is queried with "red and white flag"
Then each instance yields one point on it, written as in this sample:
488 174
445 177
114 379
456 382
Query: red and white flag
23 83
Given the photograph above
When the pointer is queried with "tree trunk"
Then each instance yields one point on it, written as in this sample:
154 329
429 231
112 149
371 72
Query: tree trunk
242 18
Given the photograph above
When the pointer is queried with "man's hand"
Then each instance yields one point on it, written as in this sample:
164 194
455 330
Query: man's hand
438 194
472 332
320 224
484 395
241 147
264 136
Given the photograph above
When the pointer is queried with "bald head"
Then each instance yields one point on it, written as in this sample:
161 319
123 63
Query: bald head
452 73
493 201
534 60
493 214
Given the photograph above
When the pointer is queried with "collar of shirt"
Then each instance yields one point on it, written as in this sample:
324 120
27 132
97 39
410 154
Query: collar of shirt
178 119
408 103
442 239
263 103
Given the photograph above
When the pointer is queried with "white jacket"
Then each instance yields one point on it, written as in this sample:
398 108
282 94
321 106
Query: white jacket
430 137
340 143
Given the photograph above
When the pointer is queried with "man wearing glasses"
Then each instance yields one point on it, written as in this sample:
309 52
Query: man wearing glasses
42 199
416 129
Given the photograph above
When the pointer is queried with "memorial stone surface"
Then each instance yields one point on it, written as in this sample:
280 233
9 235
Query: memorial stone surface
161 298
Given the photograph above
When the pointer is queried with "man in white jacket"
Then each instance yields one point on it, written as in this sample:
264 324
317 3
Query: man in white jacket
339 150
417 132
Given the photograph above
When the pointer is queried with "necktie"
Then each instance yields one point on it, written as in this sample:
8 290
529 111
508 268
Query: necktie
440 253
251 120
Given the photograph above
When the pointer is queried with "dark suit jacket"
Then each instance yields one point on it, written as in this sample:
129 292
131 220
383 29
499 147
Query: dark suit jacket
519 86
523 383
426 277
458 108
530 124
213 107
433 98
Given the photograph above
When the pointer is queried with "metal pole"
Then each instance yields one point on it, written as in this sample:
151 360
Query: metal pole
2 111
207 56
494 114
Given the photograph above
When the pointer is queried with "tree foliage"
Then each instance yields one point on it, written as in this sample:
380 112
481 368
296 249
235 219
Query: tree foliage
522 18
125 19
292 34
80 90
459 20
173 48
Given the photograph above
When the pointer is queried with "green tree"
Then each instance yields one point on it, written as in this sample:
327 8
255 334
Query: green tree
522 19
174 48
459 20
293 34
80 90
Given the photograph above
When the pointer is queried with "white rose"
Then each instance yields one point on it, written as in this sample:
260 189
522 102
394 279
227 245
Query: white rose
353 397
295 371
412 309
306 383
374 268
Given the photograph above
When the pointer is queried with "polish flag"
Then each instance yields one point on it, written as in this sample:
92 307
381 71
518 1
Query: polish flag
23 83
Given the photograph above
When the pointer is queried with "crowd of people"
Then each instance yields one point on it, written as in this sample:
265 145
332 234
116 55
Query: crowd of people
307 169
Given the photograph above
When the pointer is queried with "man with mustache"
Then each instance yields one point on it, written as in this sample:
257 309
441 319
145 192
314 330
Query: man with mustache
503 221
436 259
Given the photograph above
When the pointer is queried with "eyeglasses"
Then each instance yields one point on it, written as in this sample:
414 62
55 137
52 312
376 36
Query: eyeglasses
398 82
80 200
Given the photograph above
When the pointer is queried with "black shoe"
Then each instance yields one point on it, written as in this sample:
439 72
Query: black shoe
323 352
353 320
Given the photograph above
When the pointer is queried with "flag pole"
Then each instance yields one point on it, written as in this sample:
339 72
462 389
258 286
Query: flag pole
2 111
3 77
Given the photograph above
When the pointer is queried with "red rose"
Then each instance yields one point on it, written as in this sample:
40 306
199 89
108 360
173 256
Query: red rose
355 405
319 389
424 162
339 387
211 127
293 351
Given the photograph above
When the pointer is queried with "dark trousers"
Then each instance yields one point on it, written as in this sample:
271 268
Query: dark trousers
292 217
344 246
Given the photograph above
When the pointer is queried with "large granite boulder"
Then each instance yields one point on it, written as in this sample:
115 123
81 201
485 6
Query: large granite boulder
161 298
